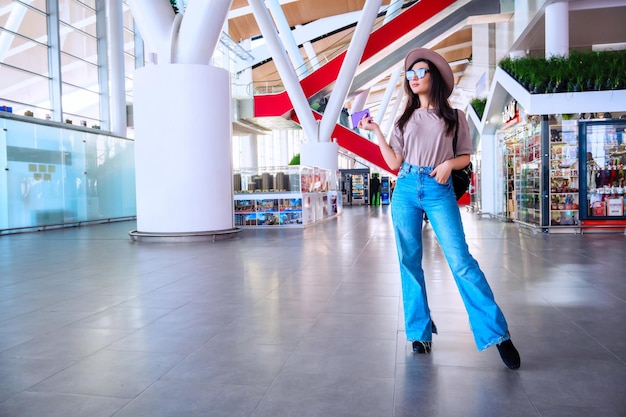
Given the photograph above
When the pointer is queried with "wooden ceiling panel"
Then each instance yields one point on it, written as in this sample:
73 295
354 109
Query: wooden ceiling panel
298 12
461 36
244 27
305 11
457 54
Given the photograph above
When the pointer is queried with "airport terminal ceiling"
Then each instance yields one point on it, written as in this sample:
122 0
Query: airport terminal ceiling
591 23
455 46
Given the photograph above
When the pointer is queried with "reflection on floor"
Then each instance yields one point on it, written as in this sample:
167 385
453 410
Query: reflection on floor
303 323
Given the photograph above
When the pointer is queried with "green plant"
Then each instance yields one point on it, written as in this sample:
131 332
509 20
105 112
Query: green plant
479 106
581 71
174 5
295 160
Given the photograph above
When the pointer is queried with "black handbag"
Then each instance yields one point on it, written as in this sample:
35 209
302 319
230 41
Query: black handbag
460 177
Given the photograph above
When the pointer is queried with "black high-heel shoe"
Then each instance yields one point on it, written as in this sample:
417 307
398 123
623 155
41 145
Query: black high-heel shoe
509 355
421 347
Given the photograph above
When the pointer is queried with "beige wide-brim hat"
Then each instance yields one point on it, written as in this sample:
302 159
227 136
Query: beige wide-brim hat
439 61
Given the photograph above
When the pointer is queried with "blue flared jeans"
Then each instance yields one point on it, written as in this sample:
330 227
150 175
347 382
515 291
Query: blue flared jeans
415 193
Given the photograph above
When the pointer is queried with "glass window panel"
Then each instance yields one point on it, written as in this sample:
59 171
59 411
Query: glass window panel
38 4
78 16
22 46
129 65
35 4
129 89
129 38
25 54
129 23
4 176
79 104
88 3
129 42
110 176
78 44
20 19
23 87
35 160
79 73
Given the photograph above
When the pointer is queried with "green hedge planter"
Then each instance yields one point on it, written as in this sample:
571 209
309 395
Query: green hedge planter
582 71
479 106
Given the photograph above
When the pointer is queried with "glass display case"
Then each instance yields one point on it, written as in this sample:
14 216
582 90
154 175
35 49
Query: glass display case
527 182
354 185
511 168
358 189
564 174
603 170
289 196
510 163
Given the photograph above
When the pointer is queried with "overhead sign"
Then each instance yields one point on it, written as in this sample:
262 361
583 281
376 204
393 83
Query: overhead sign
511 114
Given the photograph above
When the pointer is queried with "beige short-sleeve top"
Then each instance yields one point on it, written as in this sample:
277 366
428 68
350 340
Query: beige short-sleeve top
425 143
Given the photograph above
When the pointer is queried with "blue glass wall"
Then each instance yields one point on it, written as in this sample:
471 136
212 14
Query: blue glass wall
54 175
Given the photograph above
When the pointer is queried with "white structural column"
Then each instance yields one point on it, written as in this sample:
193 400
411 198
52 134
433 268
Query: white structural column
310 53
284 31
183 165
320 154
391 87
348 68
324 153
183 128
286 71
557 29
521 17
283 144
483 56
243 84
359 101
200 31
388 126
154 20
249 151
489 173
116 67
306 33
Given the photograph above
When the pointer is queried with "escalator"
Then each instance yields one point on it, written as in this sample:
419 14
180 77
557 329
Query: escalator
355 143
324 77
388 45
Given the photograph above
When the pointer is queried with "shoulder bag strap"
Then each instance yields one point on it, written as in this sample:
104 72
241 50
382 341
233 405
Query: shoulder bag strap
456 132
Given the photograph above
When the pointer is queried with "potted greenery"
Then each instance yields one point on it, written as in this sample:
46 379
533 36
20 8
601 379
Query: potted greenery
478 104
295 160
581 71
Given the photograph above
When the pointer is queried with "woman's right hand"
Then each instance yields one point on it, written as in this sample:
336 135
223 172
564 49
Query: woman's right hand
393 160
367 123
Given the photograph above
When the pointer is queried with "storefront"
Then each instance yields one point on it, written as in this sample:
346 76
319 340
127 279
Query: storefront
561 172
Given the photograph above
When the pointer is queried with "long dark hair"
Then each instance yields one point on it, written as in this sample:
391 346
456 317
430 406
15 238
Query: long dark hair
438 99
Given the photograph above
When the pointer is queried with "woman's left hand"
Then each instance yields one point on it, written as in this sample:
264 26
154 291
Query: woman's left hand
442 172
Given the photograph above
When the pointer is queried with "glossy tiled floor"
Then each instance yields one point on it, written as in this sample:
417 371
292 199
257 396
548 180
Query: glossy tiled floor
303 323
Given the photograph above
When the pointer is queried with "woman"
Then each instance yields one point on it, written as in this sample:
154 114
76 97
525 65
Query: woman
421 148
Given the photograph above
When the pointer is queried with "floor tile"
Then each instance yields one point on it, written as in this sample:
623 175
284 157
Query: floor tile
304 322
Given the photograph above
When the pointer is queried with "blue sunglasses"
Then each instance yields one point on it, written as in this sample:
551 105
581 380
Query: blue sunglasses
419 73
